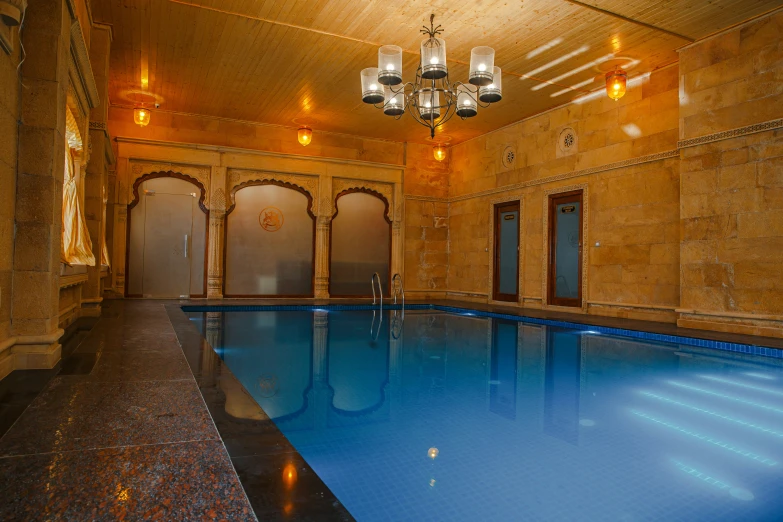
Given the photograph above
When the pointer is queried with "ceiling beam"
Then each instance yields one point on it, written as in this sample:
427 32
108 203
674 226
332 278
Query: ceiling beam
631 20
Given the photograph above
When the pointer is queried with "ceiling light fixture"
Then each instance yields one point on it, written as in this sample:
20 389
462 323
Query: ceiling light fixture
141 116
305 135
616 82
431 99
439 151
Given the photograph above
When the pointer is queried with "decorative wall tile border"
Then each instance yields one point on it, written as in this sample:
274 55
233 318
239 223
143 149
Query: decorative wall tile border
751 349
733 133
433 199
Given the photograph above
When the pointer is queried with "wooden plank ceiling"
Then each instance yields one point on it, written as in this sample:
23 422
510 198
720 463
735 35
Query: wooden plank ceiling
273 61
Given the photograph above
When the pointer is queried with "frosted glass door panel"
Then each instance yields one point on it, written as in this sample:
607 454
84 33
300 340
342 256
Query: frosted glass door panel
361 245
567 250
508 252
269 243
168 231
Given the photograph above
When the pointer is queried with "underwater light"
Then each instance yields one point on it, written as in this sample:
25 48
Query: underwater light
707 438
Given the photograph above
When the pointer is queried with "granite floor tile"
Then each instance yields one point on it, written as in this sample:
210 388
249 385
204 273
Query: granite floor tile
186 481
284 487
73 415
137 365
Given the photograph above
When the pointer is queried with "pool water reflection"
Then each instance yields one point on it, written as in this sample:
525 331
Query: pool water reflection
453 417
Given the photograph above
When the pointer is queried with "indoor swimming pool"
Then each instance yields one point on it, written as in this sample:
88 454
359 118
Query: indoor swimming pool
437 415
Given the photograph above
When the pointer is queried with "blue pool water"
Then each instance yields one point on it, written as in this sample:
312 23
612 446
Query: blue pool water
455 417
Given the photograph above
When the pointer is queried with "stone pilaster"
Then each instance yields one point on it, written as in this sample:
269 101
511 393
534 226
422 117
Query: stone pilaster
323 228
217 223
97 170
38 220
120 228
397 239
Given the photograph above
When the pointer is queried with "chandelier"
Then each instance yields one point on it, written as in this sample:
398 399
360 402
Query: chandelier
432 99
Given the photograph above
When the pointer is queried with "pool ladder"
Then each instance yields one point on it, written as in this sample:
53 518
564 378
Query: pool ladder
373 332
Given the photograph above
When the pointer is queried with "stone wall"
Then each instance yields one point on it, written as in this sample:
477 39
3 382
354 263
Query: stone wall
9 112
732 180
624 157
426 187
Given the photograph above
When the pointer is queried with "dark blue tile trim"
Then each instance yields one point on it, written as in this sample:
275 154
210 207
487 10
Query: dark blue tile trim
750 349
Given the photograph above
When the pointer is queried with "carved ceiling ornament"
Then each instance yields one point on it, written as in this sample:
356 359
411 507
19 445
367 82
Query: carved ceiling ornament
237 177
385 189
141 168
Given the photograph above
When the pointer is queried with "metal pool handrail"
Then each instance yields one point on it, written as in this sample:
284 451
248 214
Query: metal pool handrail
380 288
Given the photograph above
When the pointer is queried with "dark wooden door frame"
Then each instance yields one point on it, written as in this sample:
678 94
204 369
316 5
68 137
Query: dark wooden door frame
575 196
509 206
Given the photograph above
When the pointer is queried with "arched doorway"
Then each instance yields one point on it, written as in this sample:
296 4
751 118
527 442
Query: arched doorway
270 241
167 237
360 243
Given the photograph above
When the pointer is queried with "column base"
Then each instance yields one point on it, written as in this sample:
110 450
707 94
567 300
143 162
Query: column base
39 352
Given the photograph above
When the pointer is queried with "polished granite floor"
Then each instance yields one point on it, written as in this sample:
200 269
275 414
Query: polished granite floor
134 424
119 433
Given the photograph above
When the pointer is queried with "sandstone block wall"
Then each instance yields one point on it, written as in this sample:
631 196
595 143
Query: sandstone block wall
732 189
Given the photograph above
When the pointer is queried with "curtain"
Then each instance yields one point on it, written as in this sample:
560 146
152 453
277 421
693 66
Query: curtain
76 244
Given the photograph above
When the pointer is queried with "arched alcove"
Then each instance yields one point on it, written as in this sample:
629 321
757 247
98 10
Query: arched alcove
360 243
167 237
269 241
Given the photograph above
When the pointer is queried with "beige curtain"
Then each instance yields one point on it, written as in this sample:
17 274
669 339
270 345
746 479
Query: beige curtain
104 248
76 244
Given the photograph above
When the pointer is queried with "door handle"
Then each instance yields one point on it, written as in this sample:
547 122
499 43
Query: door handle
186 245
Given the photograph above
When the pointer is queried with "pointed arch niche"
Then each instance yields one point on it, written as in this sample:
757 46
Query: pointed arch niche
269 247
167 236
360 242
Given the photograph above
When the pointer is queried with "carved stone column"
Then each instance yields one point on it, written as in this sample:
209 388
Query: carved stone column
321 391
397 239
323 228
217 222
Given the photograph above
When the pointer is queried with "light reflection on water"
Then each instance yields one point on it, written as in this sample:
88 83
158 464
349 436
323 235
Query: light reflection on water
457 417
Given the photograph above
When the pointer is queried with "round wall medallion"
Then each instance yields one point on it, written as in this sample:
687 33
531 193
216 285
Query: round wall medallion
509 155
271 219
567 141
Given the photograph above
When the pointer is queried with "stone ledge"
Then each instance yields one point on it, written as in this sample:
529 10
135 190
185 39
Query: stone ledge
30 352
739 323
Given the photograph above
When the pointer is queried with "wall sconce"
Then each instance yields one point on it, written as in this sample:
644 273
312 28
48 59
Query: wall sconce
616 83
439 151
305 135
141 116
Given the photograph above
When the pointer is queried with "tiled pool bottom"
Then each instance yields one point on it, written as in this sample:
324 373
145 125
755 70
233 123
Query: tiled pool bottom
440 416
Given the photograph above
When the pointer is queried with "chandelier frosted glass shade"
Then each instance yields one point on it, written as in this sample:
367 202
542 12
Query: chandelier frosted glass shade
467 107
433 59
493 92
372 90
390 65
482 63
393 102
429 105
